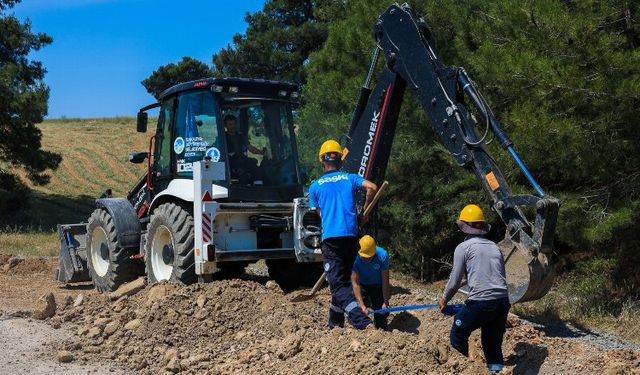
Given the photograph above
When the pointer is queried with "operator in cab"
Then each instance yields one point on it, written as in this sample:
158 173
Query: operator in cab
481 262
334 196
370 279
242 167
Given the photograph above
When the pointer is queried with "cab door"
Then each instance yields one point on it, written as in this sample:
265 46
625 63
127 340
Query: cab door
163 158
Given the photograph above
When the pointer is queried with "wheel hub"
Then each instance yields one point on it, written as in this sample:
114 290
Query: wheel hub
162 253
167 254
104 252
99 251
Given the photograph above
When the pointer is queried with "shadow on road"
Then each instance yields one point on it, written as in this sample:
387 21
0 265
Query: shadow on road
554 327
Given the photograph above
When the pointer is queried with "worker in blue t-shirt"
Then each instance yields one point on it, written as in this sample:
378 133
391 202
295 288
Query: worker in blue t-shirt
370 279
334 196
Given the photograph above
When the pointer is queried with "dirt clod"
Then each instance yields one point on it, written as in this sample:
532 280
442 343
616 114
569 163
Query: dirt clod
79 300
45 308
12 262
111 328
132 325
64 356
128 289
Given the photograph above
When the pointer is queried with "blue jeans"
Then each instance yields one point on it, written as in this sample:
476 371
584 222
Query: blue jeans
373 297
491 317
338 254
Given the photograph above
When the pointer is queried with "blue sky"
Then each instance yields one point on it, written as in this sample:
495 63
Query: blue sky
102 49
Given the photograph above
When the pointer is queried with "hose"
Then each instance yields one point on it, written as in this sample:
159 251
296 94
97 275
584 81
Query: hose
448 310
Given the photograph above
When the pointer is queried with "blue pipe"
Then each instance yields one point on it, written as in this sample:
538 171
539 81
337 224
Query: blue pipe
448 310
526 171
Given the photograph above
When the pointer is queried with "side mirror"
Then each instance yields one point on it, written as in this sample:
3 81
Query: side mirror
138 157
141 125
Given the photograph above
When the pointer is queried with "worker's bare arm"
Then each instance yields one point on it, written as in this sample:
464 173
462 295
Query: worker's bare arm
370 191
386 289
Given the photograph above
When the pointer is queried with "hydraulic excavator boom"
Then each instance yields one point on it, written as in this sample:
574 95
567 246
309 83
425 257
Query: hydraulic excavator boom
405 40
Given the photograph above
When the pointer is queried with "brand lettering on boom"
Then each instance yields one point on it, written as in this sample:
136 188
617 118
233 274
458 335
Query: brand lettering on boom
367 147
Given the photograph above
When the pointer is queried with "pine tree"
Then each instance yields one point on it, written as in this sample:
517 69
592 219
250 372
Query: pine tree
278 41
188 69
23 104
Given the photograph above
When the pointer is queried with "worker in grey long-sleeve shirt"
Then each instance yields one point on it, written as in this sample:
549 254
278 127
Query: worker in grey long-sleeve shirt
480 261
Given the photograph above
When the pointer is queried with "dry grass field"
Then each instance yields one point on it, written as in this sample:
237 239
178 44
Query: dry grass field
95 158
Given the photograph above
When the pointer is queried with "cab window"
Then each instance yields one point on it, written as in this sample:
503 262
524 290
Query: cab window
196 131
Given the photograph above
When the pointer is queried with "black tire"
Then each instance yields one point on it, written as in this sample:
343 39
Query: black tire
109 265
170 258
291 275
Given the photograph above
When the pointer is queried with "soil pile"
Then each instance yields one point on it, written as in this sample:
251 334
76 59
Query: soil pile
14 265
242 326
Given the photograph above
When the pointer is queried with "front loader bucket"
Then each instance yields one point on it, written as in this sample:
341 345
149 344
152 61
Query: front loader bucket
72 262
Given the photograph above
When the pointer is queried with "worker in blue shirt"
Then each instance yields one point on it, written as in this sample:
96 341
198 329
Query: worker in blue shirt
334 196
370 279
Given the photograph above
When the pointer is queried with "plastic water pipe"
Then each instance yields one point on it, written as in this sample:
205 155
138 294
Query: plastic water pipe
448 310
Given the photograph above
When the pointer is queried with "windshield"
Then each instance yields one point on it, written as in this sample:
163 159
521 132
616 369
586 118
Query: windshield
196 131
260 141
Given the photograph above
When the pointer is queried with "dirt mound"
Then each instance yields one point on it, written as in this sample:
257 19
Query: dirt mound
241 326
4 258
25 266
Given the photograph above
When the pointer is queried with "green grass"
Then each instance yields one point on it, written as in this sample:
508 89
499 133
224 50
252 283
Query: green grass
94 153
29 242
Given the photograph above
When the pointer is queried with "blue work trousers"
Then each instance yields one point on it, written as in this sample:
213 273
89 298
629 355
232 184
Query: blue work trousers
338 254
491 317
373 297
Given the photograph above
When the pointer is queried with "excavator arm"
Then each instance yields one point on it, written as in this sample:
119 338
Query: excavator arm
405 41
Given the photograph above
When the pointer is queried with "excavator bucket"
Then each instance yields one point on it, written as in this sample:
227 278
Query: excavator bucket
528 277
527 252
72 262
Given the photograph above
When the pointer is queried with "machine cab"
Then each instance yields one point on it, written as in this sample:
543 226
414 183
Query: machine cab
246 123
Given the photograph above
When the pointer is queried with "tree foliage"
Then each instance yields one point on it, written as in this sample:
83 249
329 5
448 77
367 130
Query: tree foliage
278 40
23 102
563 78
188 69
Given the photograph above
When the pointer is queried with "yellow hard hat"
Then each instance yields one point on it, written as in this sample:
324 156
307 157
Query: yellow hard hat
471 214
328 147
367 247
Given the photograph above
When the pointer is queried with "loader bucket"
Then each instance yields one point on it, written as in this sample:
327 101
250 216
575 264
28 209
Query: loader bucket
72 262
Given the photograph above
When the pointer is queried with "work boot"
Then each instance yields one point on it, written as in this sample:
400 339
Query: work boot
495 368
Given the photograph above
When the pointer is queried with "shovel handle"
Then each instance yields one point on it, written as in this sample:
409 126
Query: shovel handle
375 199
318 283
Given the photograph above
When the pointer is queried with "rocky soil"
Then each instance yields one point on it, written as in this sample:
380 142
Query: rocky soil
249 326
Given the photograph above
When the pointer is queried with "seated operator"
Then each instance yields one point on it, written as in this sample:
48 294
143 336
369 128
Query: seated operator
242 167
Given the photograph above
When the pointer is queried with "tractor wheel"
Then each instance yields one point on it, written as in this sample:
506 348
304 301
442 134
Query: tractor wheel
109 265
291 275
169 253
